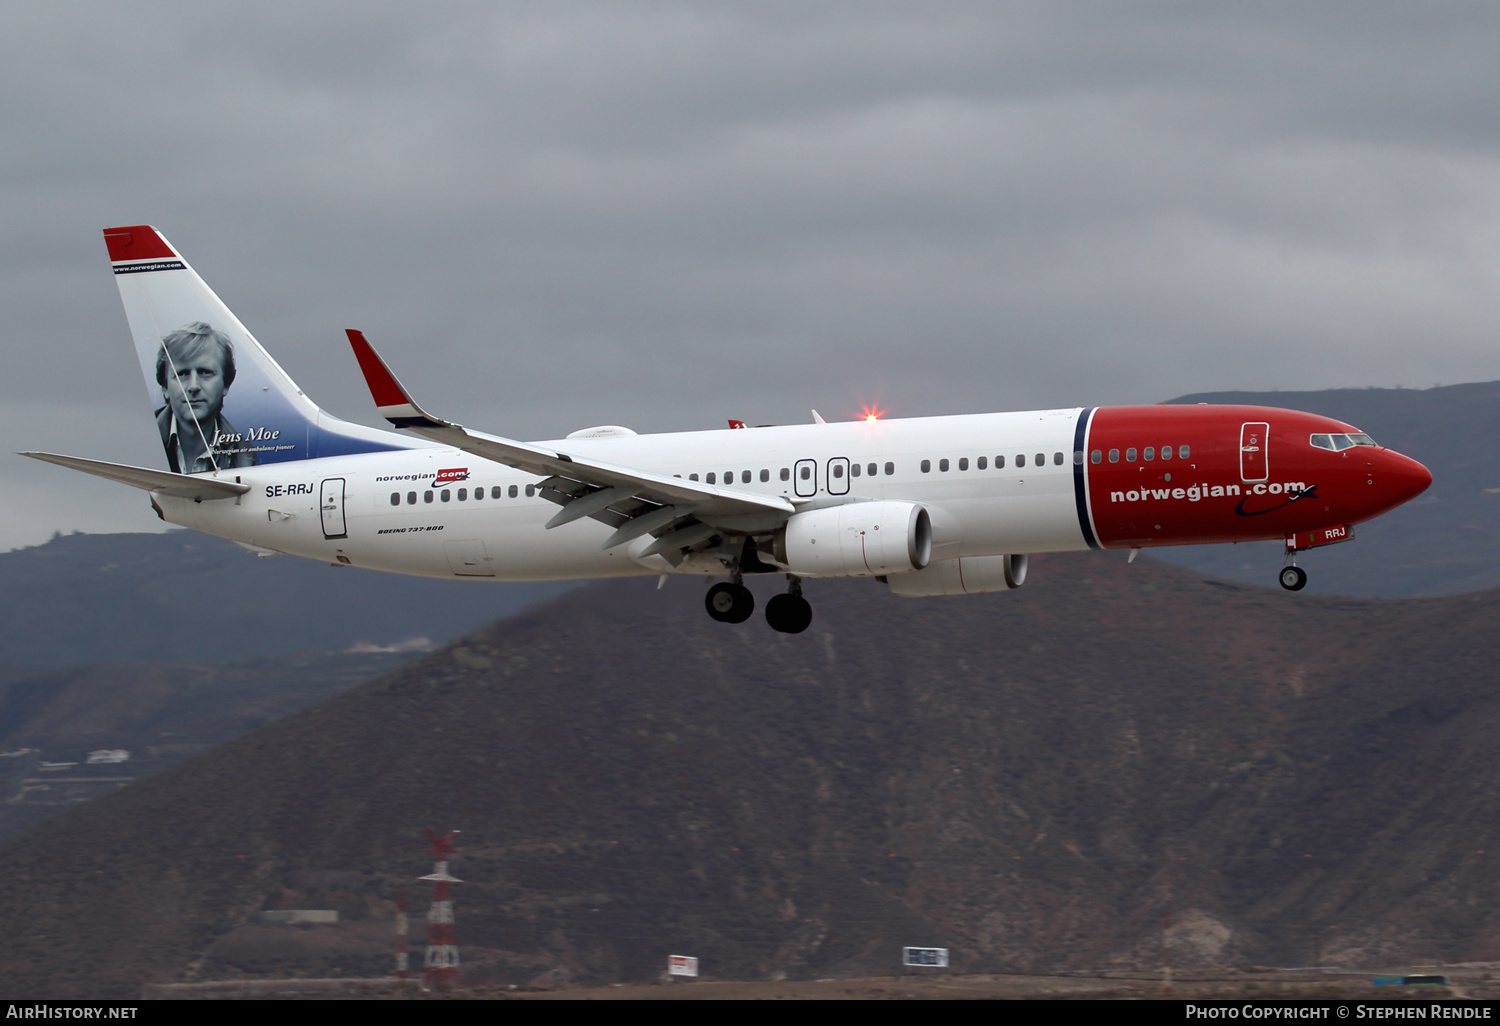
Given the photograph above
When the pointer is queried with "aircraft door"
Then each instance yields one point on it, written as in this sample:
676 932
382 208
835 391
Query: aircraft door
1254 462
332 505
837 478
805 477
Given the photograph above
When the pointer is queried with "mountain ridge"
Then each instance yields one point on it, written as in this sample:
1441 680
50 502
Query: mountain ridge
1033 779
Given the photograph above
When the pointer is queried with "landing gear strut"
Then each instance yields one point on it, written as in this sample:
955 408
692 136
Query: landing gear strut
789 613
730 603
1293 577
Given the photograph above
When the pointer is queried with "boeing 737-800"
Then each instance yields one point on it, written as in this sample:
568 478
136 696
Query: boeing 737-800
928 506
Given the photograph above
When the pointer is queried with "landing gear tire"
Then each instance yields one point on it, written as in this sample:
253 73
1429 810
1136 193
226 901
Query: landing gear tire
729 603
789 614
1293 578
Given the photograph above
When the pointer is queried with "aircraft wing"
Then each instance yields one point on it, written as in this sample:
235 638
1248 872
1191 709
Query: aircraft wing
182 486
636 502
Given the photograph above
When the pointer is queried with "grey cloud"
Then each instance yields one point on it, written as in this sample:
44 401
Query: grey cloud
555 214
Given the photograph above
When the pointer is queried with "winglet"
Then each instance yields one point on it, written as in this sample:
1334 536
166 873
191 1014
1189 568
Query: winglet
391 400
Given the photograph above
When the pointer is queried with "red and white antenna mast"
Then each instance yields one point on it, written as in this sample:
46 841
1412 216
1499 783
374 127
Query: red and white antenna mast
442 953
401 931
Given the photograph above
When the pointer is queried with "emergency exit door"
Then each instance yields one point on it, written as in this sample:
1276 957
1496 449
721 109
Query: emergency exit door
805 478
331 503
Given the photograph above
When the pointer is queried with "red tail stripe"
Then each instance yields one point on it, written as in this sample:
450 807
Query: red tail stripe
136 242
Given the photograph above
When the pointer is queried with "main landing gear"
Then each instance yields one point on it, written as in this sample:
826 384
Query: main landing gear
732 602
789 612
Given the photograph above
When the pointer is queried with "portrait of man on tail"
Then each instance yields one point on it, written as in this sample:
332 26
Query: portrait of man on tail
195 367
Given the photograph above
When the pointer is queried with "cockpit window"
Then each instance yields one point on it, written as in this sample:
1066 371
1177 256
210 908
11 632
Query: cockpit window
1338 443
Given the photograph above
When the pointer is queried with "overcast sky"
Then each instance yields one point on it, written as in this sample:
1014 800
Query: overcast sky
664 215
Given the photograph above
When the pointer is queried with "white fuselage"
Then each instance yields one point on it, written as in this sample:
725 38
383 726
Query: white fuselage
359 509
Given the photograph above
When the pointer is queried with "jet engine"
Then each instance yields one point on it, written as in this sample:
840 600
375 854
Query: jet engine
968 575
859 539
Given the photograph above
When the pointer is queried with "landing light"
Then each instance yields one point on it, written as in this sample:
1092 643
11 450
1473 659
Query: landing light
870 414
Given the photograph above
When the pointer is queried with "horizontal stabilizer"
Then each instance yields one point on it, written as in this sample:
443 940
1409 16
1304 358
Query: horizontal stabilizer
182 486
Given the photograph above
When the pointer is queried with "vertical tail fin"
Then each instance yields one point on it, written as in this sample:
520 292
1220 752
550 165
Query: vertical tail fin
219 398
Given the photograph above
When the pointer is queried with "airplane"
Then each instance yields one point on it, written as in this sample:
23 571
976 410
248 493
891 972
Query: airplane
928 506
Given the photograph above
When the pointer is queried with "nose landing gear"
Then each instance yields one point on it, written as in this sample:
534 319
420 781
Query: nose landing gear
1293 577
789 613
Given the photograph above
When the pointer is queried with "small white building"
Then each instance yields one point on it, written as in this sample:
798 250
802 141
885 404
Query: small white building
105 756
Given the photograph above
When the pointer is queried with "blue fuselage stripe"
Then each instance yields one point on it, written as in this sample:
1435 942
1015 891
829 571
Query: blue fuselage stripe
1080 486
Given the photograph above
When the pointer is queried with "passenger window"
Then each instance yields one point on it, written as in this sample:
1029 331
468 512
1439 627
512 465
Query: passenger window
446 494
765 475
530 491
1114 455
786 475
1057 459
729 477
999 462
463 494
411 498
890 468
1182 452
872 469
395 498
806 474
943 466
711 477
1150 453
1095 456
1041 459
926 466
495 492
1166 452
963 463
1020 459
854 470
1078 457
838 471
744 477
692 477
426 496
478 493
512 492
1129 455
981 463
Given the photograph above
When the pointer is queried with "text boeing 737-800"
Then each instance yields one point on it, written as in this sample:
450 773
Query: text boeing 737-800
930 506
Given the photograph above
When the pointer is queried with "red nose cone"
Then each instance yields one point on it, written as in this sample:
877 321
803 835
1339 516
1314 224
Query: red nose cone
1395 479
1415 478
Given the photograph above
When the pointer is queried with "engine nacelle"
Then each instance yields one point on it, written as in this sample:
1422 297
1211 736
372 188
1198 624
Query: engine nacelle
968 575
858 539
